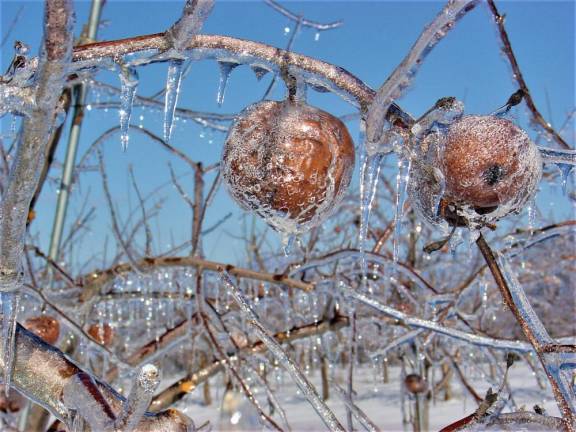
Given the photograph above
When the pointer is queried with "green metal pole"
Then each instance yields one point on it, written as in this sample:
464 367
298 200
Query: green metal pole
73 139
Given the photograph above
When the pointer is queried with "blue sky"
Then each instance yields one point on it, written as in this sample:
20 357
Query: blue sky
375 37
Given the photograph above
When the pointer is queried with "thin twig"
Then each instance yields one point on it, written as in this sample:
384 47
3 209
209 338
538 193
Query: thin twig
536 116
305 22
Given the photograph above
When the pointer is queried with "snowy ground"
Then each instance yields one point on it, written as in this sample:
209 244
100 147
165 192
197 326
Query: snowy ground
380 402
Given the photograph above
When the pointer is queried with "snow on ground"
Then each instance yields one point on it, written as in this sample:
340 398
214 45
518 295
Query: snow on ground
381 402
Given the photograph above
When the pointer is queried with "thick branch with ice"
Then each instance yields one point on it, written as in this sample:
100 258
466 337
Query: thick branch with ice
45 375
401 78
190 23
36 129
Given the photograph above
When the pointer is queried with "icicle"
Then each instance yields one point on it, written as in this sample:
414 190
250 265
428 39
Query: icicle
301 89
565 170
129 84
225 71
10 302
288 243
259 71
171 97
401 185
532 214
369 173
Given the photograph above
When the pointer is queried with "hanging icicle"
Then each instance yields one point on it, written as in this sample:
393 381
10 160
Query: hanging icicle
129 84
225 71
173 81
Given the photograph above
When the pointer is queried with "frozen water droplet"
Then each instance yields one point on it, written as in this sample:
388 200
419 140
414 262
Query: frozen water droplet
129 84
286 30
317 37
225 71
173 81
401 184
10 302
260 72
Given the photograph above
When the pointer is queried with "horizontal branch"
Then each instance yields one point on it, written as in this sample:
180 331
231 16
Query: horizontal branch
93 281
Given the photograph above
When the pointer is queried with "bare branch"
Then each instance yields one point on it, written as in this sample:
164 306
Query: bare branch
536 116
305 22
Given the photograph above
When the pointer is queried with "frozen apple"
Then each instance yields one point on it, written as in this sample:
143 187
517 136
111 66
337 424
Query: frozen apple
288 162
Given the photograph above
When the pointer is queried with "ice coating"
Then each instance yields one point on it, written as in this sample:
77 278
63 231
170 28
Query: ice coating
289 162
481 167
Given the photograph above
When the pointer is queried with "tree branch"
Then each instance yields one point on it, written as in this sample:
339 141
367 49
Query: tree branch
536 116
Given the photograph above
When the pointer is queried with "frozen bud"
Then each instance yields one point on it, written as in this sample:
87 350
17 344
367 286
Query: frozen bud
149 378
289 162
488 161
45 327
415 384
101 333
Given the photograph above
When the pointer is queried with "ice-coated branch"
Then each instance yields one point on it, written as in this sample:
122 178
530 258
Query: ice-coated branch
45 375
516 300
188 384
356 411
139 399
94 281
276 350
27 166
369 257
224 48
556 156
435 327
400 79
509 52
519 419
36 130
303 21
190 23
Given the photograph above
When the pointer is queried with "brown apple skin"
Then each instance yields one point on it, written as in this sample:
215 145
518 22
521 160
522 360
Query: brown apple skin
482 162
45 327
101 333
288 157
415 384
